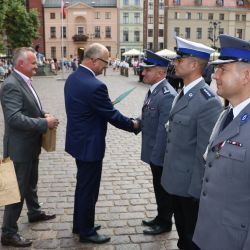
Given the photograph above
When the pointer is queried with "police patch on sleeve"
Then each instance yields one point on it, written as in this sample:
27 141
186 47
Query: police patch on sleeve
165 90
206 93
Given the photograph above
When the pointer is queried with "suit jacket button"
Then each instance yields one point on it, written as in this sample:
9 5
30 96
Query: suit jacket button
204 193
213 149
210 164
243 226
168 141
206 179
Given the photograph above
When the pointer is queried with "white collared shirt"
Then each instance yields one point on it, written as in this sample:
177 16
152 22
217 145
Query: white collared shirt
237 109
88 69
153 87
191 85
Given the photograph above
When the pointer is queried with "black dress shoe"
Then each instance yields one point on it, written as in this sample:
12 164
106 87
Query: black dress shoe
97 238
96 227
149 223
15 241
41 217
157 229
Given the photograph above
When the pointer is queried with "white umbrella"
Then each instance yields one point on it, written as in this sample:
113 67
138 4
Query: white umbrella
132 52
166 53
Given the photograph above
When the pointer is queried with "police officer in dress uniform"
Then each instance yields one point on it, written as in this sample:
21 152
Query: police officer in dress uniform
224 214
155 113
193 115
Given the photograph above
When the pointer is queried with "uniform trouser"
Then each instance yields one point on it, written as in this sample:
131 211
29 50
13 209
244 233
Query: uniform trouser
27 177
163 199
185 214
86 195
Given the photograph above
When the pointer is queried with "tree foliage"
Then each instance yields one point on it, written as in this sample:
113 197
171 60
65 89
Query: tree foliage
19 25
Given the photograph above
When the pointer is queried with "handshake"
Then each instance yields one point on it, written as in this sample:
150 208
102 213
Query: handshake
136 125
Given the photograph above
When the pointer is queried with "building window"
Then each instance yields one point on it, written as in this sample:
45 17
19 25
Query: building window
64 51
221 16
188 15
150 46
97 15
160 46
199 16
161 5
237 17
150 6
107 15
244 18
52 32
161 19
97 32
125 2
177 2
80 30
137 17
187 33
108 31
239 33
176 15
199 33
150 33
125 17
137 35
210 33
63 31
125 36
210 16
52 15
53 52
137 2
177 31
160 32
150 19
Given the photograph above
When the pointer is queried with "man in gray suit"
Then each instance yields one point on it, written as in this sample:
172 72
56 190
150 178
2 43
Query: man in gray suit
155 113
191 120
224 213
25 122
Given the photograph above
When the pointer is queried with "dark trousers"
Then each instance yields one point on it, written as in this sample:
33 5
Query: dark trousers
86 195
185 214
163 199
27 177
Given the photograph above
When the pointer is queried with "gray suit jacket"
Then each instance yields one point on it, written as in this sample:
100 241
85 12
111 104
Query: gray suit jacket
153 119
224 213
191 121
23 120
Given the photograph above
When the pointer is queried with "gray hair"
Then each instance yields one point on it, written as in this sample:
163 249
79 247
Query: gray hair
94 50
21 53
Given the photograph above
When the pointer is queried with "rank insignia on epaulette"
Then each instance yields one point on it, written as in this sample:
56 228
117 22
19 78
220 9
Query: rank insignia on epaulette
165 90
206 93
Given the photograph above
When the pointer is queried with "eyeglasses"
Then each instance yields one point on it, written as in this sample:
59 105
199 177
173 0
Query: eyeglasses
98 58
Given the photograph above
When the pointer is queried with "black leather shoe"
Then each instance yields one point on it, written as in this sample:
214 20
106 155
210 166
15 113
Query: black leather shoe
96 227
15 241
41 217
157 229
149 223
97 239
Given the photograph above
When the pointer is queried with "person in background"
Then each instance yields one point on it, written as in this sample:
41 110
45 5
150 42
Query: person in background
191 120
155 113
223 219
25 122
89 109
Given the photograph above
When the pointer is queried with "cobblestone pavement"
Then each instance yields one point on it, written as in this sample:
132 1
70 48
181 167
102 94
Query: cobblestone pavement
126 194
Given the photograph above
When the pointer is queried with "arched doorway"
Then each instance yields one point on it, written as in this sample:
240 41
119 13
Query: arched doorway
80 53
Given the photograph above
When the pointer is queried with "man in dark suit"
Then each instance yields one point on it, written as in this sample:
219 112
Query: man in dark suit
191 120
25 122
89 109
224 219
155 113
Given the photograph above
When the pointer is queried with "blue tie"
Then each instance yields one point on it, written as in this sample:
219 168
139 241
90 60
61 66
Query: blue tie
229 118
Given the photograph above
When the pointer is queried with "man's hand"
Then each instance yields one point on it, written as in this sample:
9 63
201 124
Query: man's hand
52 121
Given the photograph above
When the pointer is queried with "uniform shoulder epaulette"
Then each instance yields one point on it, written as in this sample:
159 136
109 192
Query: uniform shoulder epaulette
165 90
206 93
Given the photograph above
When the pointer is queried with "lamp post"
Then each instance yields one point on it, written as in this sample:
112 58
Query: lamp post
215 26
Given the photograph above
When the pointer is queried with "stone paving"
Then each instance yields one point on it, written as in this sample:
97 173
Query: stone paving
126 194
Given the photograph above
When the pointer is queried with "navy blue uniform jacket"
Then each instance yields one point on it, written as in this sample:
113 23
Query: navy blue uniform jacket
88 109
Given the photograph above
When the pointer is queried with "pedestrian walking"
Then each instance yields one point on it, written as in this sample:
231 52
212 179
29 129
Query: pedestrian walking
191 120
25 122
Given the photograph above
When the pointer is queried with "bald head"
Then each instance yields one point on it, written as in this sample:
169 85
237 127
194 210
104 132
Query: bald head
95 50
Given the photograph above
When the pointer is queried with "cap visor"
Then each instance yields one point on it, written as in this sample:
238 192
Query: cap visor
147 65
219 61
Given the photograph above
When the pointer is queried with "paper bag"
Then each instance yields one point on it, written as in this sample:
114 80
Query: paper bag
49 140
9 190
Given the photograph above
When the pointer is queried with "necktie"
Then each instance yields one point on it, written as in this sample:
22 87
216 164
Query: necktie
180 95
34 93
229 118
149 93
